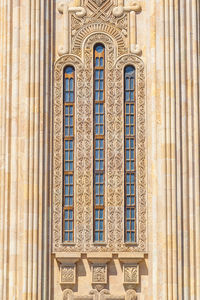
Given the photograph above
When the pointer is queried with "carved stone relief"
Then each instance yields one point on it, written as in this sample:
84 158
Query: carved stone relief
114 149
131 274
99 16
68 274
99 273
102 295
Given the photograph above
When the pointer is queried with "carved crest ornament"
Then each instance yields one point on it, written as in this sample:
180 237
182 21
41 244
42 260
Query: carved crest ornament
79 52
99 2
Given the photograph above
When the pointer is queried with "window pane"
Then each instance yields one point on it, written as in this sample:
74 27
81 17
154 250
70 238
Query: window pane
99 130
68 157
130 180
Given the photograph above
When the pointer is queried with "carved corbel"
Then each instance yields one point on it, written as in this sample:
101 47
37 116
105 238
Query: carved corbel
131 295
132 9
67 295
64 9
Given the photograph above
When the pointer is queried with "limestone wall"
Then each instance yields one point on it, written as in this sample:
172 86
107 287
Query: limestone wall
30 35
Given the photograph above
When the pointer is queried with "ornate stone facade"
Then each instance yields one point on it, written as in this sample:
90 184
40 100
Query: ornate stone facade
38 39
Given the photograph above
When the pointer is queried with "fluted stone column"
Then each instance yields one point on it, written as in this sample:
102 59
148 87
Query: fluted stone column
173 149
25 120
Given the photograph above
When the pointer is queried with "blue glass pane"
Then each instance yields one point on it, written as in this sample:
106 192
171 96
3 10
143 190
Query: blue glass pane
132 108
101 178
128 225
128 213
101 236
71 96
71 84
96 225
96 95
70 236
132 96
132 236
97 62
132 225
127 96
96 236
129 70
132 213
127 144
132 200
101 74
66 84
101 225
101 61
101 95
66 238
97 85
66 214
101 108
101 213
97 74
66 97
101 129
69 70
131 83
67 225
101 85
128 236
127 84
99 48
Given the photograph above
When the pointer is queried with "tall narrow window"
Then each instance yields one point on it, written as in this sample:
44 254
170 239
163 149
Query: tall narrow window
99 143
130 162
68 155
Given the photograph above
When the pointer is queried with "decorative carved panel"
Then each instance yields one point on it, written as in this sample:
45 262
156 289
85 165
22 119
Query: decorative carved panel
99 273
131 273
68 274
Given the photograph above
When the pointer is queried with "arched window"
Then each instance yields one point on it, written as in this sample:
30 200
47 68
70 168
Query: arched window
68 155
99 143
130 159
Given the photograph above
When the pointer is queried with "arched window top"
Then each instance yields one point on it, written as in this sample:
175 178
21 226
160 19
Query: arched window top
129 82
99 48
129 71
69 70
